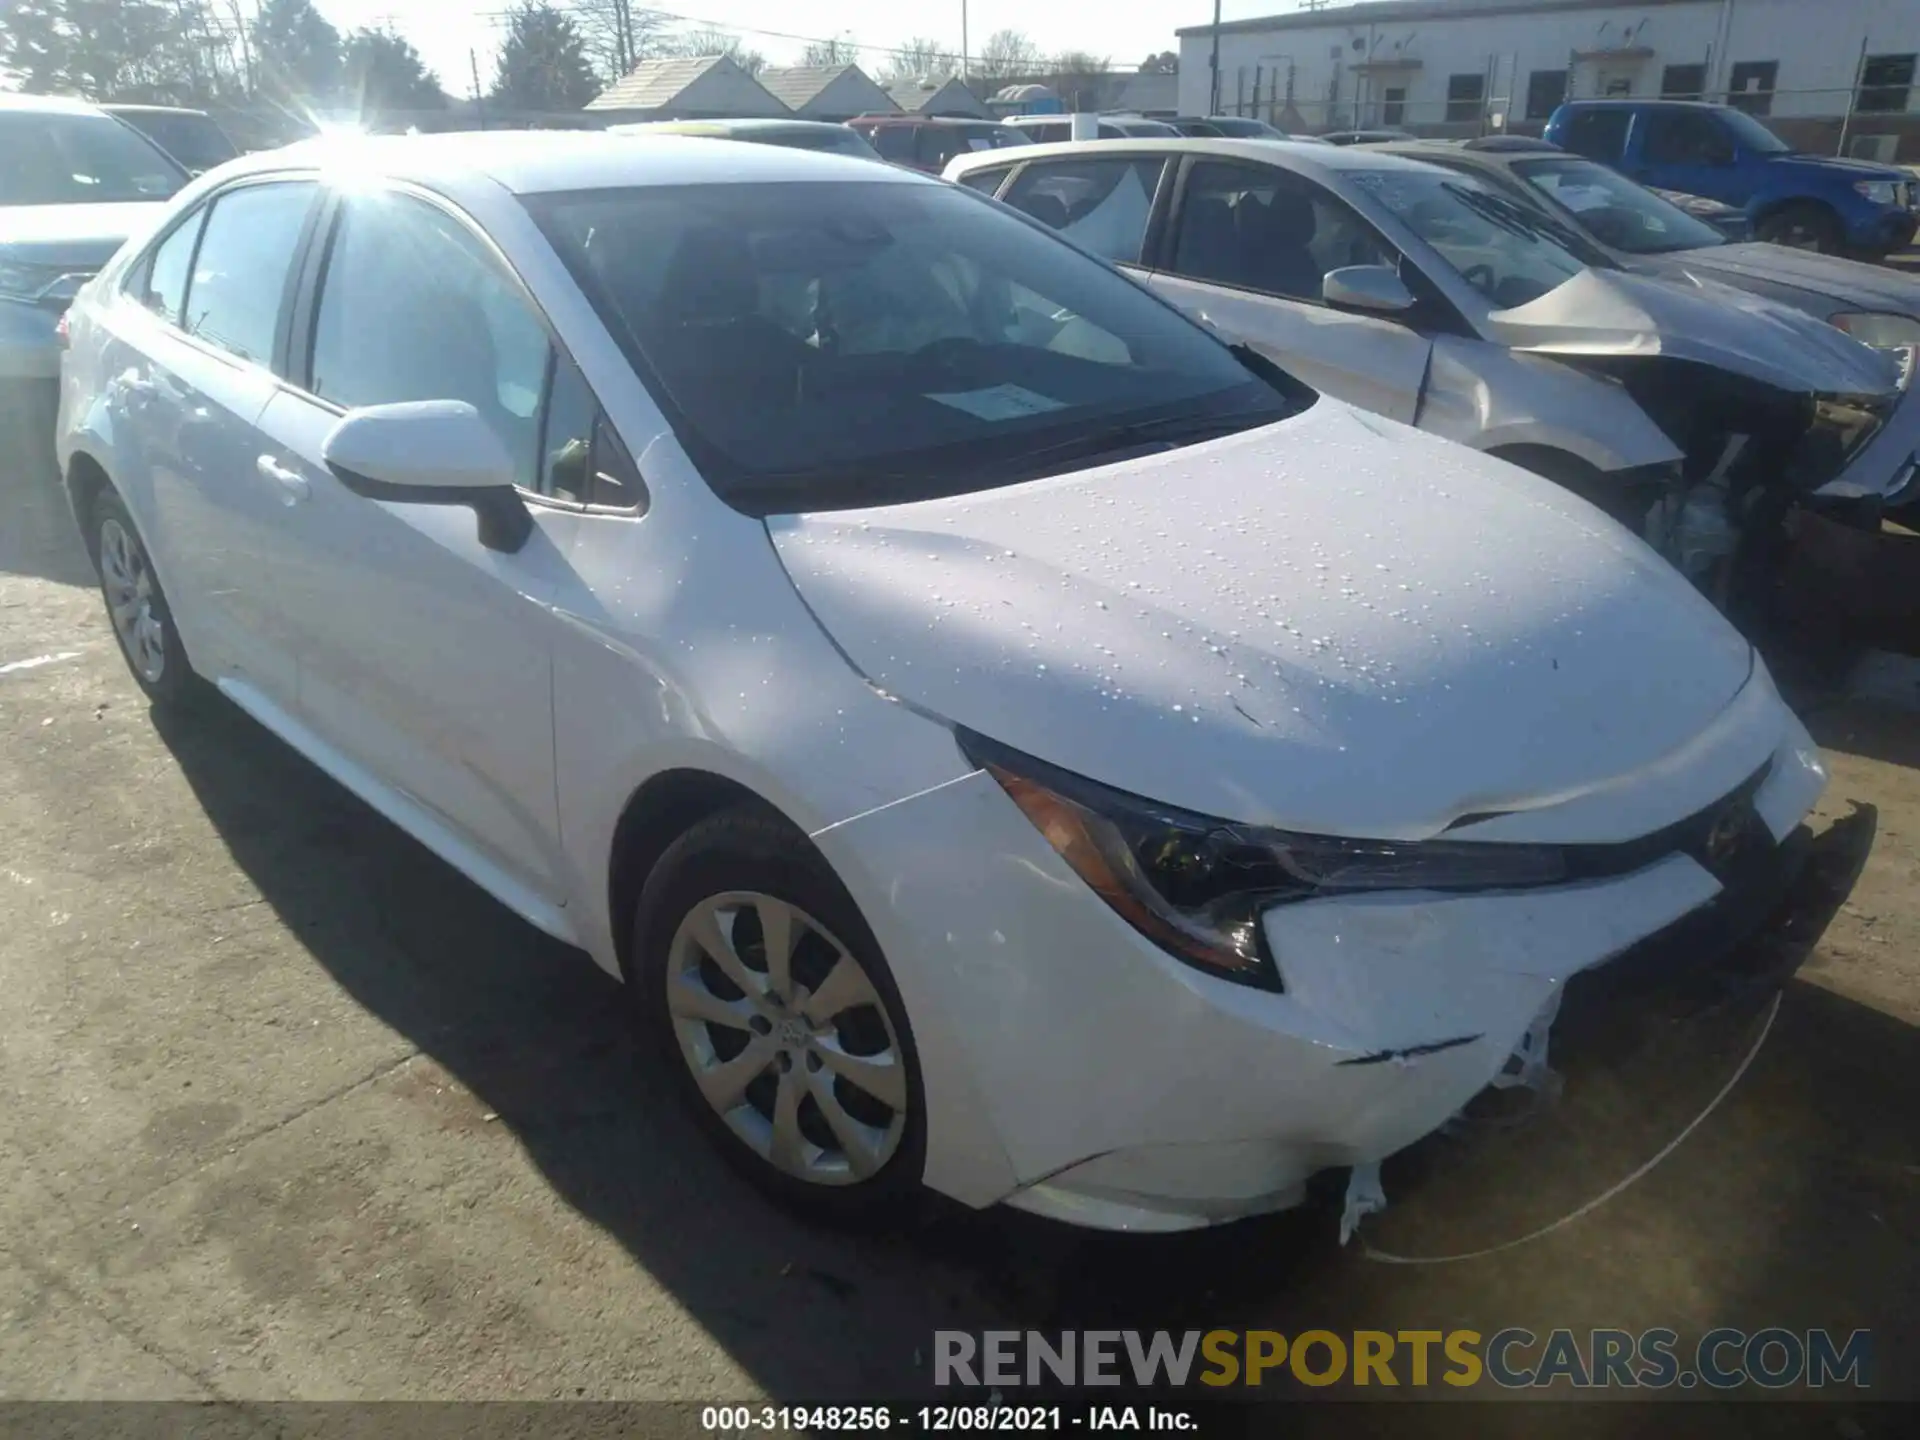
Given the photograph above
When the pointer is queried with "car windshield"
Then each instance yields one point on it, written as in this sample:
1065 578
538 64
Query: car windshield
1615 210
1754 136
196 141
51 158
830 344
1509 253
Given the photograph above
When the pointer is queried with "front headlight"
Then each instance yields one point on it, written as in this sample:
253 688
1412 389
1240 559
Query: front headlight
1878 192
1196 886
1878 329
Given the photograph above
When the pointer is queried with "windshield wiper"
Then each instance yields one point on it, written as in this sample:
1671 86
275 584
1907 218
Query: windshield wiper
1527 225
1172 432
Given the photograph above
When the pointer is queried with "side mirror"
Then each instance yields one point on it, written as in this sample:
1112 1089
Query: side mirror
1369 289
431 452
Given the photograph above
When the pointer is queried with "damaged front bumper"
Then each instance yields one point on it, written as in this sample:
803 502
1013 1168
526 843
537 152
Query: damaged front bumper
1103 1083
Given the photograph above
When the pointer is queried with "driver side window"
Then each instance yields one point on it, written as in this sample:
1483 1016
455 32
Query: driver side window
1269 230
413 307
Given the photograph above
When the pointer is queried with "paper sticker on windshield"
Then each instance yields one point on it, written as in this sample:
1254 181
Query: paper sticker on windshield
999 402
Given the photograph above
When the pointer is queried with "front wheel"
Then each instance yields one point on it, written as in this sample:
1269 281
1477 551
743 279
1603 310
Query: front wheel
137 607
1804 226
757 978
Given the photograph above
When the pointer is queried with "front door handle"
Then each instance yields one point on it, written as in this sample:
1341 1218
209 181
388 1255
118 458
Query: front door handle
293 485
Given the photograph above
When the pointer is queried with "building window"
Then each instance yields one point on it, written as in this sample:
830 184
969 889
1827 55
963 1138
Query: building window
1886 83
1465 95
1751 86
1393 105
1546 89
1617 87
1683 82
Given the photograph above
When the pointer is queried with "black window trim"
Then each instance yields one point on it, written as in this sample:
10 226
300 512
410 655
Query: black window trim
317 258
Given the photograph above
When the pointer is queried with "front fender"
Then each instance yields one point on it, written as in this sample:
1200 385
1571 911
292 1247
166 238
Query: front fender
1491 398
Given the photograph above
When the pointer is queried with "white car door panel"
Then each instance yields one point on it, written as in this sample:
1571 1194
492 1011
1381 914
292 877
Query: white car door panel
1375 364
425 657
222 525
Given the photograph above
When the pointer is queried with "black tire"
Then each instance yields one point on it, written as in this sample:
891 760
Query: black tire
162 673
748 849
1804 225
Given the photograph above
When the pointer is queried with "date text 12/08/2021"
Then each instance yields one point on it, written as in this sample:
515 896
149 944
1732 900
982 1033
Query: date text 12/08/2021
741 1420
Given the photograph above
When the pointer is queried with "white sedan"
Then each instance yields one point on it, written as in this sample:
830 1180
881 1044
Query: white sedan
1008 741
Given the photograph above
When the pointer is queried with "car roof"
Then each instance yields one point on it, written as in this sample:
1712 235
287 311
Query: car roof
1289 154
763 124
924 120
47 104
155 110
1632 104
1457 157
528 162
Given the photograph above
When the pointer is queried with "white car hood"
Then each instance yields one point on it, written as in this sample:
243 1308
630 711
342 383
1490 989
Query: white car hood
84 236
1334 624
1613 312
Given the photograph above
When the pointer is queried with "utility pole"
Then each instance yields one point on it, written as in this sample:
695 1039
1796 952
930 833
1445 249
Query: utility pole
1213 99
479 101
964 69
1853 95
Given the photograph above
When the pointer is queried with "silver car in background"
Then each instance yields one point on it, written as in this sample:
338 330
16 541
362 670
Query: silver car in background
1695 413
74 184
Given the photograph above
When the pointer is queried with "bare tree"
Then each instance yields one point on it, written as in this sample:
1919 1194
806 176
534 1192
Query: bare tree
711 40
617 34
1076 78
1007 55
920 59
830 52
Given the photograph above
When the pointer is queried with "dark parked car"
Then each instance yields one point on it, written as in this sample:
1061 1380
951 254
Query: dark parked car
1048 129
192 137
793 134
1364 137
928 142
1811 202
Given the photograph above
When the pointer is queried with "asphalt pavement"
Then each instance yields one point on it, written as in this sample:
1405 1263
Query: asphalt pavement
296 1112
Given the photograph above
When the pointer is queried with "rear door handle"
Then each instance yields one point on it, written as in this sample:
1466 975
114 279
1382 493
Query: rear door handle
293 485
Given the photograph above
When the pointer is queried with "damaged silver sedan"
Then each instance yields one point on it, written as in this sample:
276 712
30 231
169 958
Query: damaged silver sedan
1705 418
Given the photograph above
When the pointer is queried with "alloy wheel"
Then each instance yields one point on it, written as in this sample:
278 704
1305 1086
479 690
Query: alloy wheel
137 620
787 1038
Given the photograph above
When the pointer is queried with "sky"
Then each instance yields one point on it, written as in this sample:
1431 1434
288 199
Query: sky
1126 31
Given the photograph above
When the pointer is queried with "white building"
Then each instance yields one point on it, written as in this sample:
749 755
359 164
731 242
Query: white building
1451 66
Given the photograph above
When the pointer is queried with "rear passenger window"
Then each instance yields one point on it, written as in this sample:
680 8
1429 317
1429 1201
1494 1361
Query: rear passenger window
240 274
1101 205
163 279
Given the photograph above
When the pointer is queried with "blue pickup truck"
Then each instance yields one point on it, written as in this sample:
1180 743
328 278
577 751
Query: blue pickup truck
1811 202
